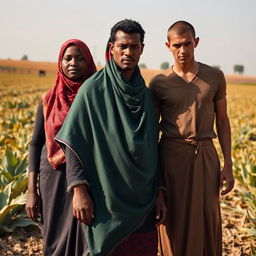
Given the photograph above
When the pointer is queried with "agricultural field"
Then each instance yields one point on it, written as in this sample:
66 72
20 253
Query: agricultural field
19 98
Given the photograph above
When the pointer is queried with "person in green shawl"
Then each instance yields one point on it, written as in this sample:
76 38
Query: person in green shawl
110 141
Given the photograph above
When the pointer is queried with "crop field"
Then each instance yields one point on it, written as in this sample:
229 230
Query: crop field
20 89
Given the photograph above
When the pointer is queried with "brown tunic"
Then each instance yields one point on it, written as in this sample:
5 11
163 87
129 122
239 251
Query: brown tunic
189 162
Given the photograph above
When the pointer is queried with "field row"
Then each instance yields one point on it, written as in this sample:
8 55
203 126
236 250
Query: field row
19 97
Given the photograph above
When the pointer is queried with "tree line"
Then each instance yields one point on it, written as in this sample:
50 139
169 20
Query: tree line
237 68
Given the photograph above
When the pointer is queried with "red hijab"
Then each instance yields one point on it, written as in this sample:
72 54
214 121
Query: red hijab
57 101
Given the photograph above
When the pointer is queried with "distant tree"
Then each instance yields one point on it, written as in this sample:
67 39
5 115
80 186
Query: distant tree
165 65
142 65
239 69
24 57
216 66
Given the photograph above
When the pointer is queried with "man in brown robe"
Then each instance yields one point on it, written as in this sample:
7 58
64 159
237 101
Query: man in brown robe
188 100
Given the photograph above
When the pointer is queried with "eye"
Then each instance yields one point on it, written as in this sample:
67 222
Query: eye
122 46
81 58
176 45
67 58
135 47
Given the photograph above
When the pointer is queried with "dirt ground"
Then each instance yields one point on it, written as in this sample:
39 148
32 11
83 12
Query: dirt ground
28 242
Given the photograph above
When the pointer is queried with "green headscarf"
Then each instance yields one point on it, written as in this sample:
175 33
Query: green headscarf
112 128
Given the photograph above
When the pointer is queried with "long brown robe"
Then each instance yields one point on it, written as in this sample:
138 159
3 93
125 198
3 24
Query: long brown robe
189 162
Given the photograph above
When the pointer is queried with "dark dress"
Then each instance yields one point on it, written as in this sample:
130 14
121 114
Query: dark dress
63 235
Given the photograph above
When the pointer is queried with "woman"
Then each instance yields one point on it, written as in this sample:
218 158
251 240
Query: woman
62 233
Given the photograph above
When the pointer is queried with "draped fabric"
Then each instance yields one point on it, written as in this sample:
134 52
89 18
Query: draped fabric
113 130
57 101
193 223
138 244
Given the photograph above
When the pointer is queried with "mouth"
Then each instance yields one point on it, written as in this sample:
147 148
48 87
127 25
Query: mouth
128 60
183 57
72 71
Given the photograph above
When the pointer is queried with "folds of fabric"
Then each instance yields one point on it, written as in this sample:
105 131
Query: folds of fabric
193 224
62 233
112 128
57 101
138 244
164 245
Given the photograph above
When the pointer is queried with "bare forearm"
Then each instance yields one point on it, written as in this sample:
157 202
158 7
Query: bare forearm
224 135
32 182
33 204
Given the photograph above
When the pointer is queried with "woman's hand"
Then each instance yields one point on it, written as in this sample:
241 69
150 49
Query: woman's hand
33 206
83 208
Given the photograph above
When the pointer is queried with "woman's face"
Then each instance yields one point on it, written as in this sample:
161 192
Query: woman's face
73 63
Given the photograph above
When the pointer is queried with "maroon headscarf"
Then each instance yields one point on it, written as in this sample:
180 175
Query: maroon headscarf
57 101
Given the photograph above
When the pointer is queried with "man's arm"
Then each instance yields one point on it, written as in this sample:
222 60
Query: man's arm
224 135
83 208
160 204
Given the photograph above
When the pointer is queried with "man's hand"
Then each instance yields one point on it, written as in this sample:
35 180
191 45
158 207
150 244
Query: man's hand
33 206
160 205
226 179
83 208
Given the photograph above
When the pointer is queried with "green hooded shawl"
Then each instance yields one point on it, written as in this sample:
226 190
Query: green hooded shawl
112 128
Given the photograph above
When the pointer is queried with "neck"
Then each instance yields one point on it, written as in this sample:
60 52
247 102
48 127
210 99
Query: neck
186 72
126 74
191 67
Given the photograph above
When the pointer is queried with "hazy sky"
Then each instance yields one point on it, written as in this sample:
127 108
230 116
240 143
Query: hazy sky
227 28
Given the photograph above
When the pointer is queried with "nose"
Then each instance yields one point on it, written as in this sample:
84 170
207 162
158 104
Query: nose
128 51
182 49
73 61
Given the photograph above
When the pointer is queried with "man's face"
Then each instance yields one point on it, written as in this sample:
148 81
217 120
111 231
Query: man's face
126 50
182 47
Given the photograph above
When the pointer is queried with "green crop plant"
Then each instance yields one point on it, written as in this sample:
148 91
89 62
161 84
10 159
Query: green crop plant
12 209
13 186
12 166
245 173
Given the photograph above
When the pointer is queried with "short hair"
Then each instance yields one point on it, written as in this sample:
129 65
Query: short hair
128 26
181 27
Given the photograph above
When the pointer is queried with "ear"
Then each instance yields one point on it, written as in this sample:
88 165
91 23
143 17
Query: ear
111 46
196 41
142 48
167 45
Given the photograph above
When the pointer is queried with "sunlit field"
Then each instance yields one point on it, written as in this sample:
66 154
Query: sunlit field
19 98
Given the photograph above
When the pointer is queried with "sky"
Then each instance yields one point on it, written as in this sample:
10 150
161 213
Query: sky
226 28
